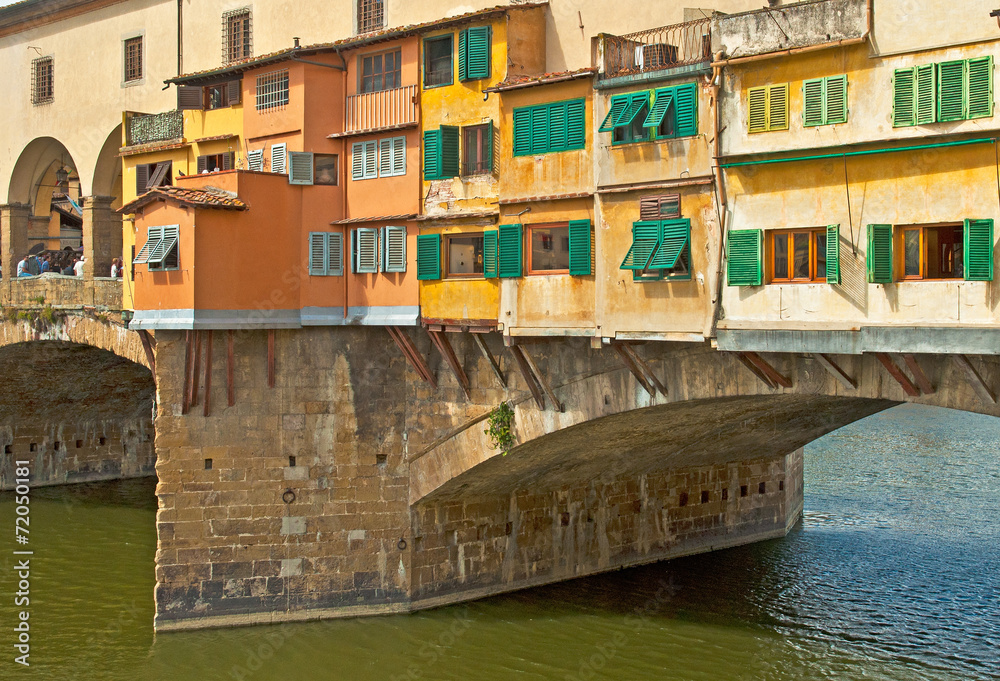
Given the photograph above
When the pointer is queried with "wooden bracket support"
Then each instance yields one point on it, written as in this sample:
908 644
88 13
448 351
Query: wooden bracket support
412 354
924 383
754 370
642 372
494 365
982 389
772 375
230 370
147 345
208 374
905 383
270 358
195 370
188 363
541 381
529 377
443 345
828 363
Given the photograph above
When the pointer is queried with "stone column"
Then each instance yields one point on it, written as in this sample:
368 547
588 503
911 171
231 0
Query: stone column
14 218
102 235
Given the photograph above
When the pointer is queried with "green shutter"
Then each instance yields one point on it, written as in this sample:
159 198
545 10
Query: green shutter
522 131
463 54
636 103
509 251
902 97
980 100
429 256
833 254
879 254
450 160
686 109
539 129
978 250
835 100
477 59
744 266
777 107
490 254
432 154
951 90
576 132
489 146
557 126
618 105
579 247
645 239
925 85
674 238
656 115
757 109
812 98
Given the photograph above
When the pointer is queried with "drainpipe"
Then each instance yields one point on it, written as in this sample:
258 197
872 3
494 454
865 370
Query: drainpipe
717 67
180 37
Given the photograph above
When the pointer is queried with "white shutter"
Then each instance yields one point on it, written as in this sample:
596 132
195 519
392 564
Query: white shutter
385 157
335 254
371 159
358 161
317 253
366 250
153 237
399 156
278 158
394 249
301 167
255 160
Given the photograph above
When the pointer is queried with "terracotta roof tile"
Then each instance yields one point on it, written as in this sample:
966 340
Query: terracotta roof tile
201 198
517 82
377 218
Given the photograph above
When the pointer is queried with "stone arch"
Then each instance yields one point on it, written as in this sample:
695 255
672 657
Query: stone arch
35 170
79 330
108 170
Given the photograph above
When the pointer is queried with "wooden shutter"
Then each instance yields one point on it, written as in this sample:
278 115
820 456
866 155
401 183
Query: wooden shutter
358 161
429 256
451 161
980 99
812 102
576 122
903 92
744 256
579 247
757 109
477 62
300 165
488 147
660 207
645 239
636 103
318 253
686 109
366 250
385 157
835 100
278 158
509 250
153 237
664 97
557 126
255 160
925 93
879 255
399 156
432 154
618 106
463 54
141 178
202 164
160 174
777 107
189 98
228 160
490 254
539 129
675 236
833 254
335 254
234 92
522 131
979 250
951 90
394 249
371 159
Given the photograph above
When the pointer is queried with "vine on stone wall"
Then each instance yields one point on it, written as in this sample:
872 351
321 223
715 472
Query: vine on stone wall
501 426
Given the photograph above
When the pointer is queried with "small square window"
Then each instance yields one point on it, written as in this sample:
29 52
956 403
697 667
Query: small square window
381 71
438 61
42 80
798 256
325 169
371 16
465 255
477 152
272 90
548 248
133 59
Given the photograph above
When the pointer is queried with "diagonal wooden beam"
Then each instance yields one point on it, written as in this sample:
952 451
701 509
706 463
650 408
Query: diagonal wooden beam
924 383
443 345
645 368
208 373
230 370
195 371
772 374
188 363
542 382
270 358
982 389
897 373
828 363
529 378
147 346
627 360
494 365
754 370
412 354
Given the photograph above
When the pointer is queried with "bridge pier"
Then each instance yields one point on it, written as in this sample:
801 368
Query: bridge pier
102 235
14 218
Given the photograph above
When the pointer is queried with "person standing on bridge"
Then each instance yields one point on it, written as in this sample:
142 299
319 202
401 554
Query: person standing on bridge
22 268
78 267
68 270
46 265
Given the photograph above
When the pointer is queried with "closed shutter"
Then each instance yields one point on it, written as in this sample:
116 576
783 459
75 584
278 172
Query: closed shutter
557 126
645 239
202 164
399 156
255 160
394 249
686 109
833 254
664 98
777 107
228 160
432 154
744 256
903 92
812 102
879 254
371 159
576 132
979 250
450 159
509 250
300 167
463 55
358 161
335 254
663 206
392 156
141 178
189 98
951 90
318 254
385 157
757 109
478 53
522 131
539 129
429 256
980 100
366 250
925 93
835 100
618 105
233 92
278 158
490 254
579 247
675 236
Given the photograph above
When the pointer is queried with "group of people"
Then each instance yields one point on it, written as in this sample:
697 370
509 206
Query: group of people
58 263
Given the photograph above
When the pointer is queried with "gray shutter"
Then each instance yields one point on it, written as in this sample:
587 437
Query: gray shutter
189 98
399 156
358 161
300 165
228 160
317 253
371 157
202 164
394 249
366 250
335 254
153 236
141 178
255 160
233 92
278 152
385 157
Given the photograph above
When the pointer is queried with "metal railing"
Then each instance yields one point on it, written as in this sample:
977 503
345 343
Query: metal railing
387 108
658 48
146 128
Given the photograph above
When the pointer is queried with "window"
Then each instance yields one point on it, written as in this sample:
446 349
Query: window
428 256
42 76
674 112
363 160
545 128
393 249
548 248
278 154
743 257
474 53
660 250
272 90
477 145
464 255
381 71
626 117
326 169
946 91
824 101
365 242
767 108
949 251
932 252
660 207
160 252
392 156
212 163
438 61
371 16
798 255
149 175
221 95
237 42
132 49
441 153
326 254
307 168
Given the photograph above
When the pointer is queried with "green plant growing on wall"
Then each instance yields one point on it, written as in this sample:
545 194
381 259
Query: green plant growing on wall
40 300
500 426
49 315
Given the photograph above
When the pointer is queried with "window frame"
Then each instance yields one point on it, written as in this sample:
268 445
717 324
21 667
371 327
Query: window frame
266 101
232 51
528 250
137 75
450 37
446 265
326 243
336 174
483 145
817 275
38 97
899 236
397 71
370 16
154 236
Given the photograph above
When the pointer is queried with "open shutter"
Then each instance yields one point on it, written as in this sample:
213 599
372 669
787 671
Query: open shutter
394 249
366 250
488 147
189 98
664 98
579 247
686 109
153 236
450 159
228 160
429 256
777 107
952 90
925 88
490 254
576 132
879 256
300 167
638 102
141 178
744 256
318 254
979 250
278 158
160 175
980 100
645 240
675 236
833 254
162 248
903 92
757 109
478 53
509 250
335 254
618 106
812 102
202 164
463 54
432 154
255 160
522 131
371 159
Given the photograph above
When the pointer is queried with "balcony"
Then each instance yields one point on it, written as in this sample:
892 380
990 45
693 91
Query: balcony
657 48
384 110
146 128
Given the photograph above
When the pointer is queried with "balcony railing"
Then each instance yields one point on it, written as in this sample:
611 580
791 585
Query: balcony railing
658 48
385 109
146 128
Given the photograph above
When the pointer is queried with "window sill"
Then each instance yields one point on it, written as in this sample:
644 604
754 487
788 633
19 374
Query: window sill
432 87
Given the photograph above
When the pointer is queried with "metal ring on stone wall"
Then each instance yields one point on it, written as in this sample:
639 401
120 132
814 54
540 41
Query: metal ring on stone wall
288 497
401 545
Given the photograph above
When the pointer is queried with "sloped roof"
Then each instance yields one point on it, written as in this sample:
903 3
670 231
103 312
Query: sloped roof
199 198
517 82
